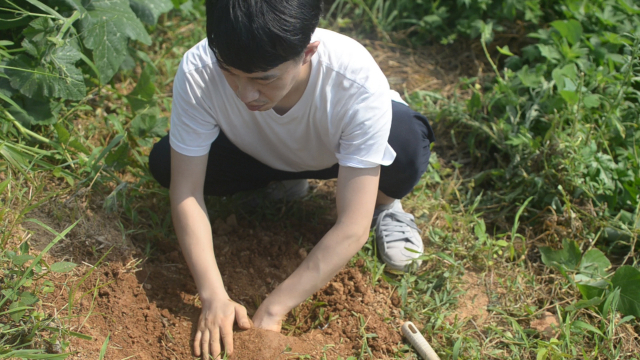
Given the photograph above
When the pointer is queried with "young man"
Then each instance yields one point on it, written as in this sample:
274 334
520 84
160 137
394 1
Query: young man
268 98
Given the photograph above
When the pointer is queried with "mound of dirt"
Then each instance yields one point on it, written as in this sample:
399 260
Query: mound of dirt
149 310
258 344
351 308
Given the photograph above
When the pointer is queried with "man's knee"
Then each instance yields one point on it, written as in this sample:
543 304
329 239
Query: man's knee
160 162
411 137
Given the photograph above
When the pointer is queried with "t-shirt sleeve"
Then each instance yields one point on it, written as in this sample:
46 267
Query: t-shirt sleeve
193 125
364 139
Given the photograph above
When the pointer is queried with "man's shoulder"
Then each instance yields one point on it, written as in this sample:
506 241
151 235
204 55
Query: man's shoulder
337 47
198 57
340 54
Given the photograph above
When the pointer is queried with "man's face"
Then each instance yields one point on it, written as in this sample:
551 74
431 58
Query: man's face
262 91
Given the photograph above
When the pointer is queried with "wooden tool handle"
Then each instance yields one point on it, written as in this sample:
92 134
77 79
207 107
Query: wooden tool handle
418 341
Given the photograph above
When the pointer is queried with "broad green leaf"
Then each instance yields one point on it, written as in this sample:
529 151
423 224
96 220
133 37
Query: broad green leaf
149 10
571 97
6 89
106 29
16 315
566 258
118 158
63 267
530 77
591 101
20 260
74 143
565 77
35 41
627 279
142 95
549 52
583 304
145 127
63 133
542 353
35 111
59 79
9 293
594 264
24 248
569 29
28 298
50 71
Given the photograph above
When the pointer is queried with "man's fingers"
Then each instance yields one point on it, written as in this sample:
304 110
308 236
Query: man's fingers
227 338
241 317
196 343
215 344
205 344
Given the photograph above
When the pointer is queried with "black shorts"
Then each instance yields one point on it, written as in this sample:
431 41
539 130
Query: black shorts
230 170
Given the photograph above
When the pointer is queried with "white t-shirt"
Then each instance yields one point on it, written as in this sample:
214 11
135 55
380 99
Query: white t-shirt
344 115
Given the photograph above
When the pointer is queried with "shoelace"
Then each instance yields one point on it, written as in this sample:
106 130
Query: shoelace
393 225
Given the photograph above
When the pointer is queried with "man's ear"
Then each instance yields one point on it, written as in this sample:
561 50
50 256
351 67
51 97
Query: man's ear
311 49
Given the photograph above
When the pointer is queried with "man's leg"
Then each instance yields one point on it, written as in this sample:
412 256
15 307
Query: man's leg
411 137
229 169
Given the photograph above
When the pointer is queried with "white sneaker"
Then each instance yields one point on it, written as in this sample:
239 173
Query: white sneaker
288 189
396 231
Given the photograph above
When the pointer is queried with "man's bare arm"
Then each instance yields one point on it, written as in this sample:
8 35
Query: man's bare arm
193 230
356 197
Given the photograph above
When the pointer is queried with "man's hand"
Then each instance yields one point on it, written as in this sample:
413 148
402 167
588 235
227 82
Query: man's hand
263 320
356 197
193 229
216 326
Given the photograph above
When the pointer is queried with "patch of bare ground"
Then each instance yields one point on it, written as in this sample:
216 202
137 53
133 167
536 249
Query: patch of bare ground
432 68
547 325
472 304
149 306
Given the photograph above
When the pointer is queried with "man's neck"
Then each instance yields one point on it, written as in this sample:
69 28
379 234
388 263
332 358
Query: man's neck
295 94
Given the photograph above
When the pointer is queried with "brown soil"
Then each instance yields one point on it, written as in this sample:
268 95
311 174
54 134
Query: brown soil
547 325
472 304
149 308
258 344
348 293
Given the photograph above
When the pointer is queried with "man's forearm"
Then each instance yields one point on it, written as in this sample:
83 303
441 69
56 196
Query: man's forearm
193 230
335 249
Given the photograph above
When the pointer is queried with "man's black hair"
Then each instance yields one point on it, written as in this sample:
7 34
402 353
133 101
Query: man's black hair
258 35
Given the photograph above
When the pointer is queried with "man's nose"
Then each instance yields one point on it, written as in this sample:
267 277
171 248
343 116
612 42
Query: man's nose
246 92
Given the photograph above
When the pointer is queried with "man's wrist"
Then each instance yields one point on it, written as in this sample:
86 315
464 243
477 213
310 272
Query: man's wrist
213 294
273 308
